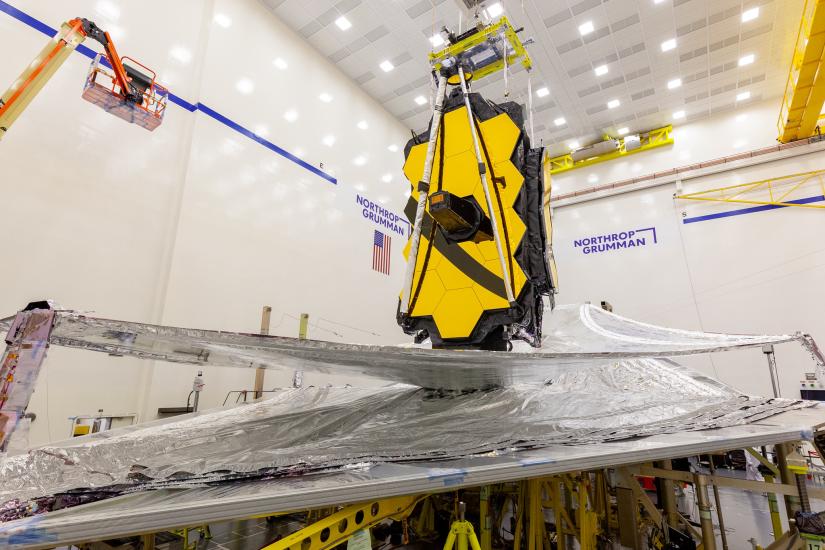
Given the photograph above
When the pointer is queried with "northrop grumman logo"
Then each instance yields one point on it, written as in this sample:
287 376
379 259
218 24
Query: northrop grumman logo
617 241
383 217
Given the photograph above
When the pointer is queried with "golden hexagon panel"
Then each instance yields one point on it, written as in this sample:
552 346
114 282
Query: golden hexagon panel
460 284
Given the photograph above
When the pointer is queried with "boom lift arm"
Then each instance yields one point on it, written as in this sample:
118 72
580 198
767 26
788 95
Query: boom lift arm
132 95
131 92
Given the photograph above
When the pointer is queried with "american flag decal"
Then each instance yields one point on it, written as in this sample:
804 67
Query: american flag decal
381 253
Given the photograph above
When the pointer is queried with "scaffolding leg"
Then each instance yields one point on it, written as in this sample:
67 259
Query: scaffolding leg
719 515
792 502
423 190
773 507
705 517
485 519
668 496
557 506
535 516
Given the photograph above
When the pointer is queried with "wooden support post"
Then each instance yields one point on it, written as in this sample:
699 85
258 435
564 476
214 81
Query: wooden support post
266 315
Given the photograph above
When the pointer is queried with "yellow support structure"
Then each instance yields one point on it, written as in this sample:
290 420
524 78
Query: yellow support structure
340 526
659 137
775 191
501 32
805 88
462 536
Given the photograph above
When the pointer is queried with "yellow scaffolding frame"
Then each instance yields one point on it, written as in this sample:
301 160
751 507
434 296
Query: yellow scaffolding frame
648 140
776 196
805 87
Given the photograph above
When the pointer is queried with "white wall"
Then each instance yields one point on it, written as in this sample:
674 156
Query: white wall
194 224
755 273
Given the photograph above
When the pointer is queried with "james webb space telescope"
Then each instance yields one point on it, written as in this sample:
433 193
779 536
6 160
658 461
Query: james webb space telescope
480 260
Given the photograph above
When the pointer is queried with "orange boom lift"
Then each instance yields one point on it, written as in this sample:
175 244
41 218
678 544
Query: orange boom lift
125 92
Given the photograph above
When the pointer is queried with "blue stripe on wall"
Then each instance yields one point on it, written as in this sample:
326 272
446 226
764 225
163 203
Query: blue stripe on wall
269 145
751 210
179 101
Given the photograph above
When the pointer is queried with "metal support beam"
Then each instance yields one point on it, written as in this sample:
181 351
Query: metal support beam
736 483
556 504
303 327
266 315
485 518
340 526
792 503
767 349
536 534
627 479
719 516
659 137
762 460
773 509
668 496
705 517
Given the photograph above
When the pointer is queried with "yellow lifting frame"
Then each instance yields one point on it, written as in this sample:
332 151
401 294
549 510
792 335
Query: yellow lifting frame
805 87
515 49
659 137
340 526
777 197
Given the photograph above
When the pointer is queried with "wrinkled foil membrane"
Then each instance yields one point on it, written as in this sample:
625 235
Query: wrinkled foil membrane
576 336
598 378
312 429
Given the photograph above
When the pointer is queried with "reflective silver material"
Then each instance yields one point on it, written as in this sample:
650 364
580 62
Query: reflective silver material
167 509
576 336
598 379
311 429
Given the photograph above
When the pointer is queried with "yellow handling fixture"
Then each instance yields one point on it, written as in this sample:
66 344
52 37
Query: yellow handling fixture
645 141
479 45
337 528
805 88
462 536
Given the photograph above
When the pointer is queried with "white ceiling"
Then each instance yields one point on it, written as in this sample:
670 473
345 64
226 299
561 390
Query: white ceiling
711 38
